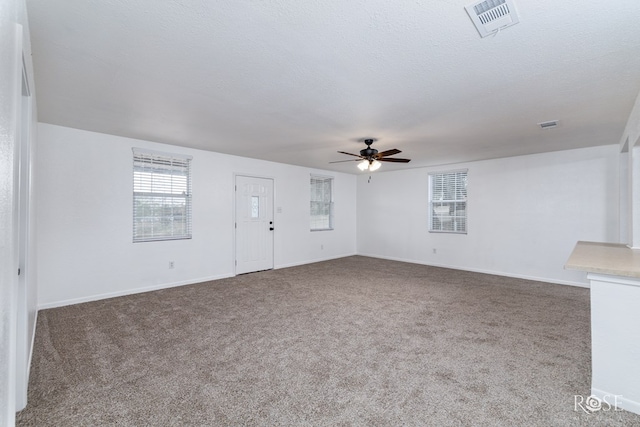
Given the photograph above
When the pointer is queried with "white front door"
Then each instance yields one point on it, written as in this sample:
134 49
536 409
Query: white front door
254 224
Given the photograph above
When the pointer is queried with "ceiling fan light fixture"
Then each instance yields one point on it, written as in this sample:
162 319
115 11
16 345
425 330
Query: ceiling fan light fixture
375 165
370 159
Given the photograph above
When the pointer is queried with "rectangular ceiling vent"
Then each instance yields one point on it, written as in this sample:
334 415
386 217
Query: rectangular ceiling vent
548 125
491 16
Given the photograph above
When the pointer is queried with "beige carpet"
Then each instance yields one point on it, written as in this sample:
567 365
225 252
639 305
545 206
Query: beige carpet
354 341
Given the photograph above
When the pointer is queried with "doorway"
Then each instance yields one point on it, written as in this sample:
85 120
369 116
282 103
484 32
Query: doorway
254 226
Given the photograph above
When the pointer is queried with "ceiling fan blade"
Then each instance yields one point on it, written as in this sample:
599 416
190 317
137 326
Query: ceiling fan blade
388 153
387 159
344 152
350 160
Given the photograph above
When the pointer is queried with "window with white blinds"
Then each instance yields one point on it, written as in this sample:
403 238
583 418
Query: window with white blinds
448 202
321 203
161 196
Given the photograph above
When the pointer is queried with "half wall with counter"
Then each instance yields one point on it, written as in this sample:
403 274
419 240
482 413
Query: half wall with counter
613 271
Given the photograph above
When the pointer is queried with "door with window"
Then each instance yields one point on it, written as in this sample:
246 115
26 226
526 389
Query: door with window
254 224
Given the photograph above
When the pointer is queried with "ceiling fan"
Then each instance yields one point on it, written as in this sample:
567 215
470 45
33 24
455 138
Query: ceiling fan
370 158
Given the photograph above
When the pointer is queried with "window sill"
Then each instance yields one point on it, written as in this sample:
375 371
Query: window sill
161 239
447 232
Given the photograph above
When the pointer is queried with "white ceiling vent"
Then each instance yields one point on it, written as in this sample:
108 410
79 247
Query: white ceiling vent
491 16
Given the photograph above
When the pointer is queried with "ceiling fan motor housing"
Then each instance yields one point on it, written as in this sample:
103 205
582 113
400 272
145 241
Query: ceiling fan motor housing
368 152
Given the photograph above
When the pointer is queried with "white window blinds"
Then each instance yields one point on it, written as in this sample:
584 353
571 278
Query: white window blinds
161 196
448 202
321 203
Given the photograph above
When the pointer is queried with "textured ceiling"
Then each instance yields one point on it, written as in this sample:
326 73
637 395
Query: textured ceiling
296 81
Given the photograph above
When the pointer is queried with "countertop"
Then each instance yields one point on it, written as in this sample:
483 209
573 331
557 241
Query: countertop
606 258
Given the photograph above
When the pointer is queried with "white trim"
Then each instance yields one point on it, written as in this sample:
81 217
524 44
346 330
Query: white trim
130 292
331 180
439 172
482 271
252 175
8 377
161 153
293 264
33 341
623 402
616 280
148 164
296 264
25 234
316 175
134 291
431 176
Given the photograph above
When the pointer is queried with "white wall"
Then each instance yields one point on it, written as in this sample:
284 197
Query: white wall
525 214
85 218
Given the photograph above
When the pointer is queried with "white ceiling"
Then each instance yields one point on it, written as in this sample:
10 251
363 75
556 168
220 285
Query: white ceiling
296 81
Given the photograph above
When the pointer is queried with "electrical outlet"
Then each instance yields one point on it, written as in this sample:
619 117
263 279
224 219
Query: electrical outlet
171 265
435 251
321 247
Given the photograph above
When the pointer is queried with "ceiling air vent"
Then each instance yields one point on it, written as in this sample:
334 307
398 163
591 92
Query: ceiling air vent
548 125
491 16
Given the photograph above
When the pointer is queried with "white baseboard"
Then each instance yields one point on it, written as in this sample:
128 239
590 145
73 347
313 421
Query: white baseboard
621 401
129 292
295 264
107 295
477 270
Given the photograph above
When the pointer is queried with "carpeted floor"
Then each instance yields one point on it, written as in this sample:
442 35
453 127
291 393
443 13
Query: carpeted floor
353 341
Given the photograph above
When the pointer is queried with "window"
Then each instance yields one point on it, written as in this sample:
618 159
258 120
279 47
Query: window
321 203
161 196
448 202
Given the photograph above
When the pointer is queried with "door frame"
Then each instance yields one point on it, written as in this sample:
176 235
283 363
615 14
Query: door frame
233 216
24 333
